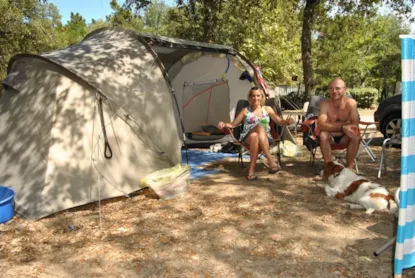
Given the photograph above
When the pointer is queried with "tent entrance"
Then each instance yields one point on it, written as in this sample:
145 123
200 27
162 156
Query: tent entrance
205 103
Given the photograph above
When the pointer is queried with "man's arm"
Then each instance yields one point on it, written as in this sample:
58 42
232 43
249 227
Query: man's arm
352 128
323 122
354 114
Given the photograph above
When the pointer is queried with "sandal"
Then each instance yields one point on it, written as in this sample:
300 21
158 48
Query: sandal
274 169
251 177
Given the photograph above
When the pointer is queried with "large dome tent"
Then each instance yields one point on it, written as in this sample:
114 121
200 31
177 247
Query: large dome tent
89 121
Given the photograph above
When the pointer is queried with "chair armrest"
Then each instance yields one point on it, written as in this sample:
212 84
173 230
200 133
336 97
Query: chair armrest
306 126
231 132
369 123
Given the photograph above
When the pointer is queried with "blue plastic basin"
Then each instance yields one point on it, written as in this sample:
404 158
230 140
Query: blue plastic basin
6 203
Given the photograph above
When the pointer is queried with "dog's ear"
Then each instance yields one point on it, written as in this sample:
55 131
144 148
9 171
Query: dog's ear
329 164
328 170
337 168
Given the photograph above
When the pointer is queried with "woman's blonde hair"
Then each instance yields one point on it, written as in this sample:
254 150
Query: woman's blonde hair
262 95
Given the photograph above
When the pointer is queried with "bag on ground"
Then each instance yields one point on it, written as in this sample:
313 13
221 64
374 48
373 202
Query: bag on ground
169 183
289 149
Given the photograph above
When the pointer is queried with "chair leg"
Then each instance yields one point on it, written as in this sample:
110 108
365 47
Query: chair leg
240 158
388 244
382 162
279 153
355 164
313 156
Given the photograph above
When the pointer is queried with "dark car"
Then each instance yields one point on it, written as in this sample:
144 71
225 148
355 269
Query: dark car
389 116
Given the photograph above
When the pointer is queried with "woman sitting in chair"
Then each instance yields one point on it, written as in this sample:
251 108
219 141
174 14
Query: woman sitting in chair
256 130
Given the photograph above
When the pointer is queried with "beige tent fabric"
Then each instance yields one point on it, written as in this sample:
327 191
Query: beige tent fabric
119 66
195 80
51 138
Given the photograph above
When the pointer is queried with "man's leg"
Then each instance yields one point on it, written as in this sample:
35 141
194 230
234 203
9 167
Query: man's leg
325 139
352 150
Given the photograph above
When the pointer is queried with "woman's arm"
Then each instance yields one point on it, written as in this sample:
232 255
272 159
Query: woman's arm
276 118
238 119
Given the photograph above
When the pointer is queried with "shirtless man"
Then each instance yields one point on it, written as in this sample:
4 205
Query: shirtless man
339 122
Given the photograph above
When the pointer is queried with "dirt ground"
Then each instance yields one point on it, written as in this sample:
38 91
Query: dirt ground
281 225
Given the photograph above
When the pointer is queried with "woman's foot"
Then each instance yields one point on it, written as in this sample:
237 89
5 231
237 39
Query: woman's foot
251 177
275 168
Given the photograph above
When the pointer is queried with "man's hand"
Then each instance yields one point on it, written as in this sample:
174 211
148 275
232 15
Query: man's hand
351 130
290 121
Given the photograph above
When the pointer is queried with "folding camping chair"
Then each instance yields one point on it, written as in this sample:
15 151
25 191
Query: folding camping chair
310 131
387 143
276 132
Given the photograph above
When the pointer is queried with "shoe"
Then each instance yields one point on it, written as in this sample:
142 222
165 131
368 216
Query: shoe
274 169
251 178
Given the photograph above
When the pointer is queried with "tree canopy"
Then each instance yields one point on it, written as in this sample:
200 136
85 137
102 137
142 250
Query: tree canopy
311 40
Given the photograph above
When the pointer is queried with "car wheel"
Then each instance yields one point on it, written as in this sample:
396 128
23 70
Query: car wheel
391 126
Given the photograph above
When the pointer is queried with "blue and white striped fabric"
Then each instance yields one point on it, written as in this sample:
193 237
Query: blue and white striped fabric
405 240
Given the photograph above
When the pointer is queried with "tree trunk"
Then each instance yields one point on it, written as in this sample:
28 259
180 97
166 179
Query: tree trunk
306 37
207 21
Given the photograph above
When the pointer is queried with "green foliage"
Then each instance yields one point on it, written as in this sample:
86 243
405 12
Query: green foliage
344 10
364 96
348 38
27 26
364 51
124 17
266 32
75 30
155 18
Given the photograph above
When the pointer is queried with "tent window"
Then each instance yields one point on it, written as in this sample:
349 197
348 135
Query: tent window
191 57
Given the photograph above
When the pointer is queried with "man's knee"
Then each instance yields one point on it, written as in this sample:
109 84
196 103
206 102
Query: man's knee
324 137
354 140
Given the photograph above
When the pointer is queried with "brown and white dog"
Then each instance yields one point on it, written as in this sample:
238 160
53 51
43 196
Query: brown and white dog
343 183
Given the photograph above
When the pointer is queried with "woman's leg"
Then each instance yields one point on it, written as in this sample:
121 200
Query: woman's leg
253 141
264 145
258 140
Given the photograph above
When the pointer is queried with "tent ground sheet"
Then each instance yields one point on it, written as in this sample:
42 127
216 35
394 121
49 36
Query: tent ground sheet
197 159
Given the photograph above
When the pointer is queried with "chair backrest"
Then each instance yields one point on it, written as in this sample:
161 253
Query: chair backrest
313 109
241 104
305 107
276 130
272 102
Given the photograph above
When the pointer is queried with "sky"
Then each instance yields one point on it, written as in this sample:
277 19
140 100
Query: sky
89 9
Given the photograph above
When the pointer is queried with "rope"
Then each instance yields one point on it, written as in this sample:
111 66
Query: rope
106 144
209 88
110 179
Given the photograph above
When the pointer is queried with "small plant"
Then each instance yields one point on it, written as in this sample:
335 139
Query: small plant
364 97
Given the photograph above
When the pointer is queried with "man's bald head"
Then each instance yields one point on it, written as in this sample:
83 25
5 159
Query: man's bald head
338 80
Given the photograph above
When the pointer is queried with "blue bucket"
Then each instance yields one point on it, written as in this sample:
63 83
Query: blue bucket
6 203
